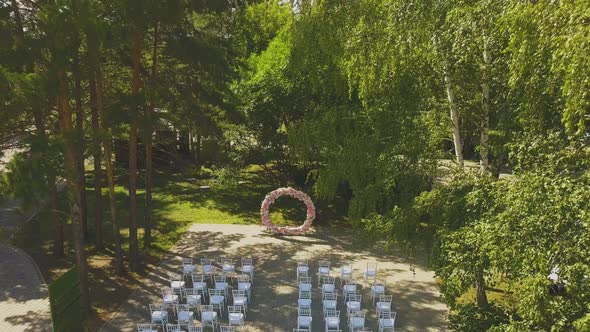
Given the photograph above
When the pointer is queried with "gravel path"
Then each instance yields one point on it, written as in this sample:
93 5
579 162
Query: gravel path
24 302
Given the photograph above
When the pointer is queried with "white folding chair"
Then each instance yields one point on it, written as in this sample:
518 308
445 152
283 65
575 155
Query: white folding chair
159 314
304 300
304 284
177 284
377 289
193 298
245 285
353 304
302 269
300 330
199 284
387 321
217 299
208 316
371 271
207 268
384 304
248 267
173 328
236 316
228 328
345 273
356 321
304 318
184 314
221 283
328 285
169 299
227 266
323 270
350 288
332 320
146 328
188 266
329 302
240 299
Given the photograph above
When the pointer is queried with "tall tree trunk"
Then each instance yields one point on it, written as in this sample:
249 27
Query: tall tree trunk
135 87
73 182
80 144
454 120
198 149
94 60
147 215
97 165
484 146
58 232
480 290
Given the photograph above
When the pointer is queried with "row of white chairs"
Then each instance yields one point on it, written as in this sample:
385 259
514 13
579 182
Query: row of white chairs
346 270
187 302
209 268
351 299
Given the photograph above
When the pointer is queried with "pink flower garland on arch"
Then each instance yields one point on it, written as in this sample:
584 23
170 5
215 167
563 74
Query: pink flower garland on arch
285 230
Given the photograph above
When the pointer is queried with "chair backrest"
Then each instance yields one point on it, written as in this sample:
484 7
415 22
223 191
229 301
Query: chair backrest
238 293
197 277
156 307
330 296
325 264
304 311
173 328
346 267
195 328
387 315
302 262
191 291
328 280
228 329
371 267
220 278
144 327
235 309
355 297
304 330
385 298
187 261
332 313
213 292
305 295
304 280
206 261
206 308
360 314
247 261
182 308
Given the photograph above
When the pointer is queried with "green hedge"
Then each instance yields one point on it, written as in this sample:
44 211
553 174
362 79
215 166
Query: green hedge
64 299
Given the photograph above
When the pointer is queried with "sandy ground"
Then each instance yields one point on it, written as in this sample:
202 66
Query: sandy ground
415 296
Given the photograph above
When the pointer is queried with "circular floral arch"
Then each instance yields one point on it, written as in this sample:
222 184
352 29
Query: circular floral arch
285 230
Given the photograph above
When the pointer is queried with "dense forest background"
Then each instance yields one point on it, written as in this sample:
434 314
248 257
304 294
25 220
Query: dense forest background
459 128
